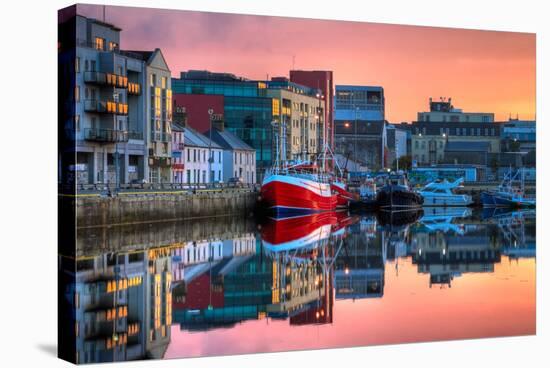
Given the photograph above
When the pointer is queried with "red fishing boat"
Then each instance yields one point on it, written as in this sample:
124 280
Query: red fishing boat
297 189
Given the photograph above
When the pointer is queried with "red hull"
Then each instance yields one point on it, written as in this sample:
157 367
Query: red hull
277 194
342 196
289 229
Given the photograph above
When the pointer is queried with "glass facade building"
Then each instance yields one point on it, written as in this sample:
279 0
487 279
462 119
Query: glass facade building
248 111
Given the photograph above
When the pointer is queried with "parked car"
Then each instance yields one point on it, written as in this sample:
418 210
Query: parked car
235 182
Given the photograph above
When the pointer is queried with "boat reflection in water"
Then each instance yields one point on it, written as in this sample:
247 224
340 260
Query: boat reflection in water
268 285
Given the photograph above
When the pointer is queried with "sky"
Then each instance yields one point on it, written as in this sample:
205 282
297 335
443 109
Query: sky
483 71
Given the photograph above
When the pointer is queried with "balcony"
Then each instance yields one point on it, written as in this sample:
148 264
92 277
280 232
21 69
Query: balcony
135 135
94 106
115 80
162 137
105 135
108 79
95 77
109 107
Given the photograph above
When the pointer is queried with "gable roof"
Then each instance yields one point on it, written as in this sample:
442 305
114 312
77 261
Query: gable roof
192 138
148 56
228 140
465 146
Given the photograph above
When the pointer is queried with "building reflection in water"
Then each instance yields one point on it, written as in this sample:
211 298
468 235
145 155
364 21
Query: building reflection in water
122 305
292 269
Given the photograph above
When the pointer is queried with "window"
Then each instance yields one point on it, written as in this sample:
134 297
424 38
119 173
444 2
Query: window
188 176
77 64
113 46
194 155
163 82
219 175
77 122
219 156
86 65
99 43
188 155
153 80
204 176
77 93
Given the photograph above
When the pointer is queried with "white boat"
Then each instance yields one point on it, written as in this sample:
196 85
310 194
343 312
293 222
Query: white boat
441 194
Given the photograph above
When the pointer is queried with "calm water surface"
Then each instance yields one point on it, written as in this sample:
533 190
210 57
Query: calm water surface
231 286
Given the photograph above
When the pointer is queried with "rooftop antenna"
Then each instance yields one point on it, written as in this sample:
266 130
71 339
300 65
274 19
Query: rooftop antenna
293 61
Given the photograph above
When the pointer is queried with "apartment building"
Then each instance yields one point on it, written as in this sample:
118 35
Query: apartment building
301 119
101 105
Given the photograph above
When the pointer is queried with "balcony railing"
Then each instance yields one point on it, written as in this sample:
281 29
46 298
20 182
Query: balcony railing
105 135
162 137
95 77
135 135
109 107
109 79
95 106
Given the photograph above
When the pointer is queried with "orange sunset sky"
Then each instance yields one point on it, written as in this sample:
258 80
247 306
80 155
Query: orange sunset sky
483 71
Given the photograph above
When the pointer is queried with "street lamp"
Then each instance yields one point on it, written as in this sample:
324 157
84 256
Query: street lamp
210 113
355 136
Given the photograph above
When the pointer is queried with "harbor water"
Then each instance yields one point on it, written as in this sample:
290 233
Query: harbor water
233 285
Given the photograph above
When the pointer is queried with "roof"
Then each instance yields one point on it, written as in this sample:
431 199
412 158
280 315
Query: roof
347 87
465 146
176 127
229 141
192 138
143 55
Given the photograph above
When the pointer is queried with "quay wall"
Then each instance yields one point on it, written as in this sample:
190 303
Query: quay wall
97 211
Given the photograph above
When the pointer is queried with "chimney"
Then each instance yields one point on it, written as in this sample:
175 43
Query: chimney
179 115
218 123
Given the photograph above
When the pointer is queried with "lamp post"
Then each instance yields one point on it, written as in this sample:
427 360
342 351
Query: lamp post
355 136
210 114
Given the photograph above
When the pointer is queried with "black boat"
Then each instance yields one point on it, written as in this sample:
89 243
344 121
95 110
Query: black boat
396 194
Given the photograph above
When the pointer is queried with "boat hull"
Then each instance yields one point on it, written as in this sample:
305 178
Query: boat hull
343 197
395 198
288 195
282 234
447 201
498 200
